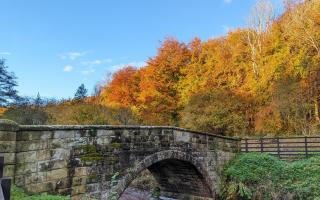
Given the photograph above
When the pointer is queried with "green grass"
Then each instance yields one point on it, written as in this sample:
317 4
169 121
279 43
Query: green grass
19 194
262 176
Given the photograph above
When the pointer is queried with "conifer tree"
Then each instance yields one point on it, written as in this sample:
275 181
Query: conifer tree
81 93
8 82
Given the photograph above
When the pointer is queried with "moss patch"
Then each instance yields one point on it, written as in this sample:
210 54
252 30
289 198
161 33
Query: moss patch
91 153
116 145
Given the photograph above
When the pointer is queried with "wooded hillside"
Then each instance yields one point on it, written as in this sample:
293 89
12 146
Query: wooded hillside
261 79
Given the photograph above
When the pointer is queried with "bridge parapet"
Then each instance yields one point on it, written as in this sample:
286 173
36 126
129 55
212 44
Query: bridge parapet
80 160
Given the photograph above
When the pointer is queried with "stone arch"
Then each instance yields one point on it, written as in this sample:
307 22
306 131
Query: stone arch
157 157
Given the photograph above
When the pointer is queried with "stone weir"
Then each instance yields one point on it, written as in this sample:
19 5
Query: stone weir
101 161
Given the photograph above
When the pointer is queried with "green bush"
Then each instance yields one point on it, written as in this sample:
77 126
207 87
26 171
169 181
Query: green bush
19 194
302 178
262 176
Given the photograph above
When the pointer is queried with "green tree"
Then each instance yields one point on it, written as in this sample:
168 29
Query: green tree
81 93
8 82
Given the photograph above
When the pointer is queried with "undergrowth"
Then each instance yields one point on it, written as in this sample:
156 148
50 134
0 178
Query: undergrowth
256 176
19 194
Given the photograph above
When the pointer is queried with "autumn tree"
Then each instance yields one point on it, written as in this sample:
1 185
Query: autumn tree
90 114
193 72
216 63
302 27
303 23
262 79
159 97
259 22
288 111
217 111
123 89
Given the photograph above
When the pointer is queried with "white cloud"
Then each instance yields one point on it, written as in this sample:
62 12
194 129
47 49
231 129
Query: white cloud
97 62
122 65
68 68
5 53
73 55
93 62
87 72
227 1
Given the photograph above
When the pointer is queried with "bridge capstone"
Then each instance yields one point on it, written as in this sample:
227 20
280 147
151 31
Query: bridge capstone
80 160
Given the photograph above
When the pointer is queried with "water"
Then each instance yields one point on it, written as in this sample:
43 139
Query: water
136 194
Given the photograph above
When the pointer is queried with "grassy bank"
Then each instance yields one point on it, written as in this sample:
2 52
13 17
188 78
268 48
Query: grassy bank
19 194
256 176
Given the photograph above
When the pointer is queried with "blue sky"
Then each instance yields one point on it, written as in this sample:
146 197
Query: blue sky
55 45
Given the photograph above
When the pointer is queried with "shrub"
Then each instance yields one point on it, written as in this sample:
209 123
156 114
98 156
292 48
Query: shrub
263 176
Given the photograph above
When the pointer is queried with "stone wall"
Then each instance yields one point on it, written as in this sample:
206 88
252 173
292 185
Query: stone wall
80 160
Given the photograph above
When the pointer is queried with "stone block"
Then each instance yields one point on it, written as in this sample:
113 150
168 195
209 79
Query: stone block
43 155
28 156
76 190
25 168
7 146
58 143
41 187
46 135
79 180
20 180
63 183
8 125
93 178
78 196
60 154
7 136
8 171
32 145
181 136
29 135
9 158
80 171
57 174
64 191
51 164
104 133
103 140
61 134
38 177
92 188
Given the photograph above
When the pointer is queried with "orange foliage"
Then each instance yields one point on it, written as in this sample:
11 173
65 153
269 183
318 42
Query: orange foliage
159 92
159 96
123 89
2 110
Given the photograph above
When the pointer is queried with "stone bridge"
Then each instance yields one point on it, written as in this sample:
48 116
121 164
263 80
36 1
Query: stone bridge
80 161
